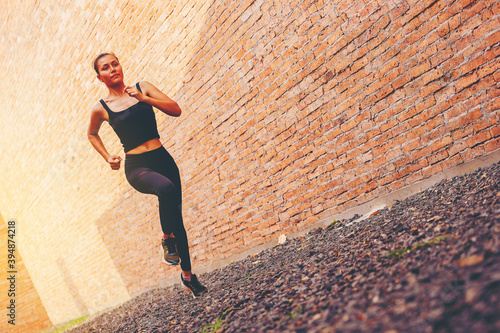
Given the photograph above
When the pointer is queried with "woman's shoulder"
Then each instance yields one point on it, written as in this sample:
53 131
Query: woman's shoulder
144 84
98 112
98 108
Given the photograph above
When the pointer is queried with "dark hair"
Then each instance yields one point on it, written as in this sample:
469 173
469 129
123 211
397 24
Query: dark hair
100 56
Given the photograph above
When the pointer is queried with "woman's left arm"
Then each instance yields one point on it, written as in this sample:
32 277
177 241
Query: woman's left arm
153 96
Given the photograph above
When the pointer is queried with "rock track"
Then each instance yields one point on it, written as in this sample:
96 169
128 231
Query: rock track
429 263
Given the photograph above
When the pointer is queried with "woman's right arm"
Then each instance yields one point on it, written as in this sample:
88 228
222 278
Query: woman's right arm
96 118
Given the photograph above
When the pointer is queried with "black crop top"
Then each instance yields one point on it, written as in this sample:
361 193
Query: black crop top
134 125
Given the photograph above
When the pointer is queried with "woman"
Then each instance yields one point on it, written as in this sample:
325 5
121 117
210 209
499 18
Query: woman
149 168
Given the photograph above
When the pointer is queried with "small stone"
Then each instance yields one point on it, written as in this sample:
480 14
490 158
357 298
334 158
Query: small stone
471 294
282 239
360 316
470 260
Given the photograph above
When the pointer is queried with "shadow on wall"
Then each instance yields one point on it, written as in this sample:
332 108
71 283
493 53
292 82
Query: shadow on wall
71 286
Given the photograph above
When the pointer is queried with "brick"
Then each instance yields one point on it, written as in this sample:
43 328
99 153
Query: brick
419 165
430 135
495 131
432 75
420 119
416 132
461 133
478 138
420 69
431 89
431 170
416 8
484 123
488 26
454 112
452 63
441 56
472 11
470 117
447 13
473 64
441 143
451 162
443 29
466 3
473 152
466 82
450 126
488 69
457 147
493 38
399 10
402 80
388 125
492 145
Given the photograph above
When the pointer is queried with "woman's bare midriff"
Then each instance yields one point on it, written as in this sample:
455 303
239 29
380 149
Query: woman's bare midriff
145 147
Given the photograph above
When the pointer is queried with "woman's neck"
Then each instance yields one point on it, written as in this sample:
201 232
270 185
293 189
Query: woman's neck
117 90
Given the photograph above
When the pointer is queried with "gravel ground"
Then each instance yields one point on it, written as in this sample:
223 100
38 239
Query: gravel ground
429 263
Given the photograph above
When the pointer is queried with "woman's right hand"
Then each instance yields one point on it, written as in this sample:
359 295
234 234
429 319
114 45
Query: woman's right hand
114 161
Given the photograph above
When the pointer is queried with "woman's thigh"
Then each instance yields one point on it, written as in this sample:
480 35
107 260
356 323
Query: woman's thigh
166 165
148 181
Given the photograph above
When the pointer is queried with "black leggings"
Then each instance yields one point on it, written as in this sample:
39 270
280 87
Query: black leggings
155 172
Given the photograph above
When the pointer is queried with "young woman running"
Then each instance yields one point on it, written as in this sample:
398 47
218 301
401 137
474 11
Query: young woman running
149 168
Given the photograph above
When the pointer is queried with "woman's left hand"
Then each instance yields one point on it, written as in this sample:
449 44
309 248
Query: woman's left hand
154 97
134 92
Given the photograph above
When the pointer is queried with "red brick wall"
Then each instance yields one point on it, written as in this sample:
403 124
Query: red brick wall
293 111
301 109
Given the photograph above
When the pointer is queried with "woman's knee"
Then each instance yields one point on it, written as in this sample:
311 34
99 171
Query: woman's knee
165 189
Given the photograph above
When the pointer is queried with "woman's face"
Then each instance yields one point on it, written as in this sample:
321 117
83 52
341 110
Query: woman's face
110 70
